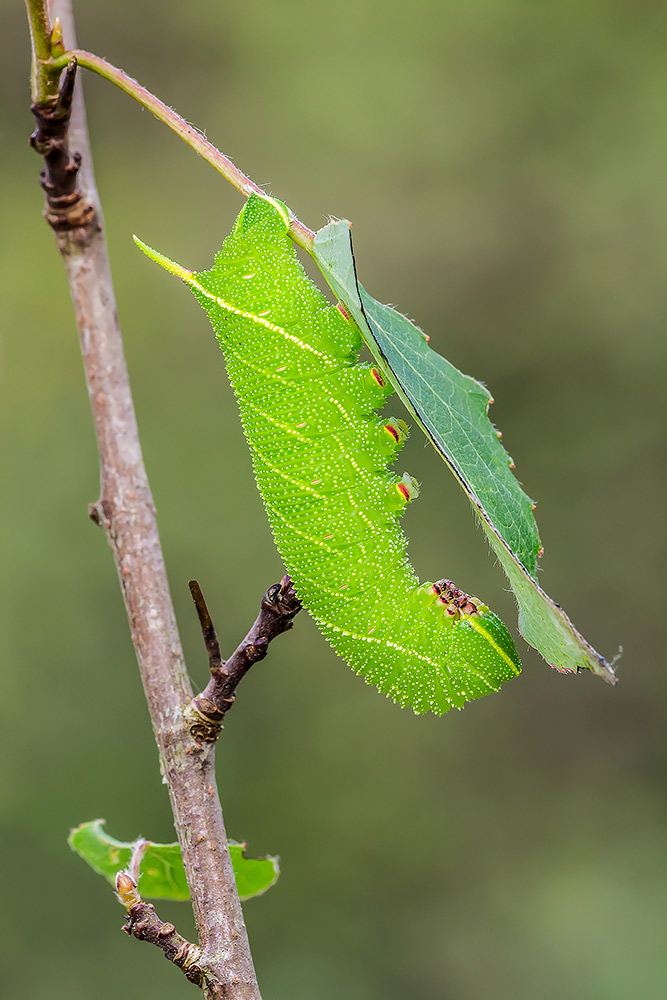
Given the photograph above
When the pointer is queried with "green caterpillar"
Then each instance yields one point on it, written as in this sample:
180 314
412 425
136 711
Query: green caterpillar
321 456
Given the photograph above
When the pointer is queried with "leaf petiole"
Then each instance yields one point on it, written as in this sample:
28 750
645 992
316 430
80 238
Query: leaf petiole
300 233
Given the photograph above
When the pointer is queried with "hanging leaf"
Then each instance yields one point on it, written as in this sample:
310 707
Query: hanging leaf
452 410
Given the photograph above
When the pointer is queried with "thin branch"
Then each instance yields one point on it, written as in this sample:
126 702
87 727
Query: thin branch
144 924
127 513
277 611
300 233
209 635
66 205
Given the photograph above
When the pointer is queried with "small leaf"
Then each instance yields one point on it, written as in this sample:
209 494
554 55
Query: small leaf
161 872
452 410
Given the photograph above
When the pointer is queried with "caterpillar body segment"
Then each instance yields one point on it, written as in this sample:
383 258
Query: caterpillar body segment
321 457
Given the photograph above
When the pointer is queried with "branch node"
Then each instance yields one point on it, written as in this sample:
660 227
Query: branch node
57 41
99 514
144 924
206 711
67 206
258 649
282 598
205 718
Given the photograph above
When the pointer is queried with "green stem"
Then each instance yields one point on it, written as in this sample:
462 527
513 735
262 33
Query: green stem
299 233
44 75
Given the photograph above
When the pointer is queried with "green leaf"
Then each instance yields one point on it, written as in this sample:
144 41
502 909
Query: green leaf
452 410
161 871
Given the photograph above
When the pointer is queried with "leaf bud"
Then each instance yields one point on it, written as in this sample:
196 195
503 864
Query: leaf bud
126 888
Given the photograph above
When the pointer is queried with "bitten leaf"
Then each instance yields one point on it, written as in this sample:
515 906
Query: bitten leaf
161 871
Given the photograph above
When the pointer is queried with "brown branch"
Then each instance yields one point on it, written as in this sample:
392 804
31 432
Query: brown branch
209 635
127 513
66 205
144 924
276 614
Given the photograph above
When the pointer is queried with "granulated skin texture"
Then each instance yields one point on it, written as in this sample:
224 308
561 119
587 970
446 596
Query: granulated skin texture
321 456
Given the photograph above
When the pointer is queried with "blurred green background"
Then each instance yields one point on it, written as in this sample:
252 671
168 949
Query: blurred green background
504 164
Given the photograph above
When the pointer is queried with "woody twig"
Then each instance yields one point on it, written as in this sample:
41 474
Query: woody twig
277 611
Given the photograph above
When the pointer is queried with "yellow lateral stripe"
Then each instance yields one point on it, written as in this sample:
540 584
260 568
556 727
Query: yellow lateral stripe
443 668
254 318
